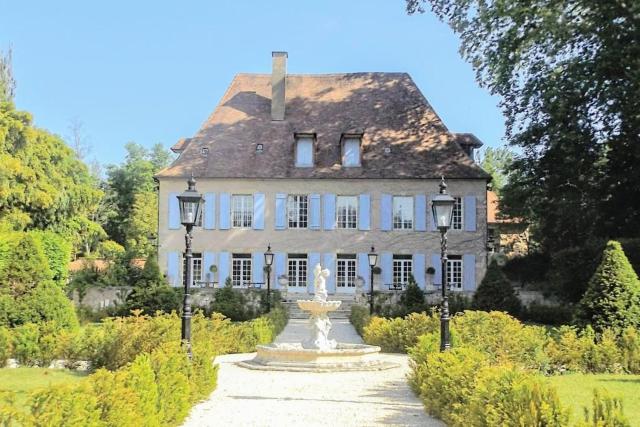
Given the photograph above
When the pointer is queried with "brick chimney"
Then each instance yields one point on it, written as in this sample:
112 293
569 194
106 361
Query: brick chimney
278 78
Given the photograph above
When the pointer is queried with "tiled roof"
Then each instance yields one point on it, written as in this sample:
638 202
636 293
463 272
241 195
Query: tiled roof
402 135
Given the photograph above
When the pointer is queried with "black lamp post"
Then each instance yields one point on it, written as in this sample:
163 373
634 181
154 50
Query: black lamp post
268 261
373 260
442 206
190 210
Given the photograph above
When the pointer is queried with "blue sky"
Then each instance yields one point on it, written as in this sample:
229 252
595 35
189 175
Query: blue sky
152 72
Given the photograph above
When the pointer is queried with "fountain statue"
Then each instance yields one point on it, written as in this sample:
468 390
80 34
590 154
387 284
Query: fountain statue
318 353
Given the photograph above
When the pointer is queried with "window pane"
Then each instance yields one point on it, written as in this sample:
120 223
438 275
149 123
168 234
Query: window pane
304 152
351 153
297 209
242 210
347 212
456 222
346 274
403 212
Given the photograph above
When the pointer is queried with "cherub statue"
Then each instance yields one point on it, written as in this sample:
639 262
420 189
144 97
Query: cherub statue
320 283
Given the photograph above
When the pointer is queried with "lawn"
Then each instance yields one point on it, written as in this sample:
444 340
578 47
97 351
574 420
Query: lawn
25 380
577 390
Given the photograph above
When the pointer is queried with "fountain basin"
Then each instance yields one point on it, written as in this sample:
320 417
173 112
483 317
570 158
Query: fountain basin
294 357
315 307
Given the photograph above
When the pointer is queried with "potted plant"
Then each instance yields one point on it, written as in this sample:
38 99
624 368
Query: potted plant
377 270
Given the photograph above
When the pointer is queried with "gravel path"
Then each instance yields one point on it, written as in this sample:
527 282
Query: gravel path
247 397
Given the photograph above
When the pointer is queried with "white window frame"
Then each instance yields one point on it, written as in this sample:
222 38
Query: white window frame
346 271
242 210
306 163
298 211
457 220
455 273
241 270
403 223
297 269
347 220
196 262
402 269
358 160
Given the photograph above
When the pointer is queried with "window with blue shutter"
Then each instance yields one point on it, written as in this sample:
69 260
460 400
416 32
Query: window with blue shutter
421 212
329 211
386 212
314 212
364 270
257 269
281 211
314 259
431 226
208 259
279 267
173 268
329 261
469 272
225 211
437 266
470 213
419 269
223 268
209 221
364 212
174 212
386 263
258 211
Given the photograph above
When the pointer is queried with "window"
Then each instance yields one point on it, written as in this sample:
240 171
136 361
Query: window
241 270
454 272
297 211
242 210
297 270
346 271
347 212
351 152
456 222
304 151
197 268
402 268
403 212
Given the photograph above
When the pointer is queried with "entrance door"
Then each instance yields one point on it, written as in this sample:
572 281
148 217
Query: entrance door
346 274
297 272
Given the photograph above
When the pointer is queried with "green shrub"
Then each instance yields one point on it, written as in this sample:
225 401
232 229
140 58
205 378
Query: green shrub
547 314
25 344
527 269
396 335
25 268
141 379
65 406
459 302
509 396
57 251
6 345
630 349
151 292
583 351
46 302
412 298
632 251
571 269
496 293
359 318
231 303
171 369
606 411
613 297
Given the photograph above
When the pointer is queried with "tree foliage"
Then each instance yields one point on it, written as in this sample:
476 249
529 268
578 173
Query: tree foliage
7 82
497 161
613 297
568 75
151 292
495 292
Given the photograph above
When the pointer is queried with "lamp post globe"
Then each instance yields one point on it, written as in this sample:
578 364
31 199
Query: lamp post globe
268 261
190 203
442 207
373 260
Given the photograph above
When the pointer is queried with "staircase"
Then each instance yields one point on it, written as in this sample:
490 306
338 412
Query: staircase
342 312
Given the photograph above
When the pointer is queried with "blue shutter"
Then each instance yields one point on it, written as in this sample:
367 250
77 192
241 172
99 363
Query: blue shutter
386 212
421 212
258 211
314 212
313 259
470 213
437 265
225 211
419 269
329 262
174 212
386 261
208 259
329 211
173 268
469 272
364 212
431 224
257 268
281 211
223 268
364 270
209 211
279 267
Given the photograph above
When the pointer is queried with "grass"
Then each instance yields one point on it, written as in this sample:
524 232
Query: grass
23 381
576 390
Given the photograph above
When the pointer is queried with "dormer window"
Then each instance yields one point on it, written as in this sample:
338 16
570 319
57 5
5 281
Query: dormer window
351 150
304 150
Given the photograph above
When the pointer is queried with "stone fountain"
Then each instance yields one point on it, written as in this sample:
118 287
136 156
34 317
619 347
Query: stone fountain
318 353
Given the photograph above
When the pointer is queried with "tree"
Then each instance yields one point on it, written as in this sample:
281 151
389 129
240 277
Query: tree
7 82
612 299
567 75
26 267
497 161
496 293
151 292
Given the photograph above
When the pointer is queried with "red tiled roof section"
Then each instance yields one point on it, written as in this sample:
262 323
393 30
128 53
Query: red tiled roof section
493 211
388 108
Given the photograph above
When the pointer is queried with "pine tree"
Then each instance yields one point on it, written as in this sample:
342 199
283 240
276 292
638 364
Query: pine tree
496 293
25 268
612 299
